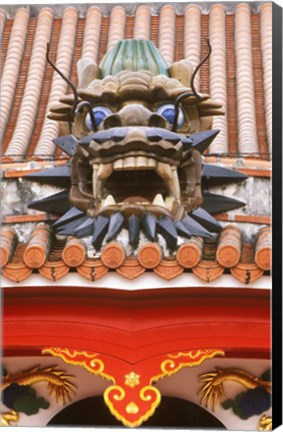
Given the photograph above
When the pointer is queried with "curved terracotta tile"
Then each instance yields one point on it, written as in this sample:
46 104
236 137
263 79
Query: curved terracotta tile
149 255
92 33
12 65
29 106
113 255
167 26
117 26
208 271
16 272
266 47
142 23
228 252
131 268
38 247
244 78
192 37
8 242
218 74
92 270
45 147
246 273
189 253
54 270
74 252
3 17
263 249
168 269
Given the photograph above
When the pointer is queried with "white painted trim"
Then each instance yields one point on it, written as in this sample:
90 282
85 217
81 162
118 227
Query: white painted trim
146 281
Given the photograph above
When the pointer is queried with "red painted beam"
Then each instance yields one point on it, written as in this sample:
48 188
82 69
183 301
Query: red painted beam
137 325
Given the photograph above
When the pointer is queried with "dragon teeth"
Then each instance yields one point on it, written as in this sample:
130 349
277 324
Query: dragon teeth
109 200
104 171
170 176
158 200
169 201
134 163
129 163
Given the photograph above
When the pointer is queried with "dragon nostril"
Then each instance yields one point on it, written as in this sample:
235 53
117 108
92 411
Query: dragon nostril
156 120
112 121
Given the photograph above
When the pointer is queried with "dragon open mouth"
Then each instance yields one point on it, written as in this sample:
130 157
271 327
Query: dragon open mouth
135 184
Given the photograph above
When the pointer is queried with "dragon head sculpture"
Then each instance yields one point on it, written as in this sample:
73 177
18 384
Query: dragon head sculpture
136 133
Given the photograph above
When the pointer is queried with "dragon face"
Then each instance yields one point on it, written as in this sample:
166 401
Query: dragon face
137 148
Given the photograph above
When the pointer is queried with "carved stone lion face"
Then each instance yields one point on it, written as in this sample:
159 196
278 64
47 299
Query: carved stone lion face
136 149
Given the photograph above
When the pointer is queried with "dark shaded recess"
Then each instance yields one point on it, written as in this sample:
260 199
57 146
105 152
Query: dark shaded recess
172 412
214 203
213 175
206 220
55 204
58 176
124 184
100 230
67 143
148 223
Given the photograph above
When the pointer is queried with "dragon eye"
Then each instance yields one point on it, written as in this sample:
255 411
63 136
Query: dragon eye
168 112
100 113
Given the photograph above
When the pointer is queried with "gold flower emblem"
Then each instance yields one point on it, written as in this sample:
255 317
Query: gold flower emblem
132 379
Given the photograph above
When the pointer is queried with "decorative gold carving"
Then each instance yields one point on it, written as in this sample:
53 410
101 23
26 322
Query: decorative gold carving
58 381
176 362
149 398
89 361
132 408
212 392
6 418
132 398
59 385
132 379
265 423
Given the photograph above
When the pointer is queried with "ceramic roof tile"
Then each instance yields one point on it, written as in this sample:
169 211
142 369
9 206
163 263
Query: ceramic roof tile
117 26
245 81
258 85
192 37
218 76
53 257
3 17
242 60
229 246
263 249
266 48
74 252
38 247
166 42
30 101
11 70
45 146
91 34
142 23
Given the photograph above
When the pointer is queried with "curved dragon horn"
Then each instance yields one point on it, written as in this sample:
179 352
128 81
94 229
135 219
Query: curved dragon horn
194 92
76 97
